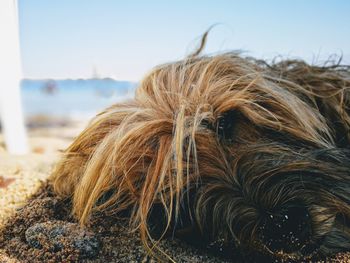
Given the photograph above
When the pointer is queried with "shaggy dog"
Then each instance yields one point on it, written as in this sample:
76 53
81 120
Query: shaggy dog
226 149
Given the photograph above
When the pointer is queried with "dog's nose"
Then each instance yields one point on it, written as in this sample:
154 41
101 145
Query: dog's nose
288 229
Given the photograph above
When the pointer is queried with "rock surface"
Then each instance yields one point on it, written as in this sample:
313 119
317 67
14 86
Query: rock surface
58 235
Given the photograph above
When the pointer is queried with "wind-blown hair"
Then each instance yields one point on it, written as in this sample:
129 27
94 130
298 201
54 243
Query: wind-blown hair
220 143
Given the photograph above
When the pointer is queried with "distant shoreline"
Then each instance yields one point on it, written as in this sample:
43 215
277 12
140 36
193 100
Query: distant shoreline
72 99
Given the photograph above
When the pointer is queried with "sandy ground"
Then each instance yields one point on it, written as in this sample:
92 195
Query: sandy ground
22 175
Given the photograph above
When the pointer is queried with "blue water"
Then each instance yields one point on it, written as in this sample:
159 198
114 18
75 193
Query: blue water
73 98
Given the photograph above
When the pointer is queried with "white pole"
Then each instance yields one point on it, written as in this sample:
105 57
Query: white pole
10 76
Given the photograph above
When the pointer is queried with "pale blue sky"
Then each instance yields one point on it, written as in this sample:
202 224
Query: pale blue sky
125 39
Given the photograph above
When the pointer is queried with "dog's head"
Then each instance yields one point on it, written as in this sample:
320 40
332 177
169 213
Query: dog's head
242 151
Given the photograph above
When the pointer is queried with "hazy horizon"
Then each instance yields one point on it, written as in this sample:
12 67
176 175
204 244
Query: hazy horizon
72 78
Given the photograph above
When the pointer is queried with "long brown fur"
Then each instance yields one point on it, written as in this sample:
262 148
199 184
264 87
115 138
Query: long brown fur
226 142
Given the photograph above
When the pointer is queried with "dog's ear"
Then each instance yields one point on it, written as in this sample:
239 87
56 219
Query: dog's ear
123 160
70 168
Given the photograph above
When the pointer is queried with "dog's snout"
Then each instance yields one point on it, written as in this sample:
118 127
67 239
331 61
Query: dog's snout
288 229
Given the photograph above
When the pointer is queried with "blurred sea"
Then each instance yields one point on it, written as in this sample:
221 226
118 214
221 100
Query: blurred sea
73 99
